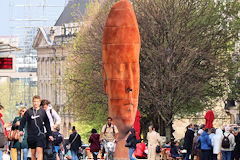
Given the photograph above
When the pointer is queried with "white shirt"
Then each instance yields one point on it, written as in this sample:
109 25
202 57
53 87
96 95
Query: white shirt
53 116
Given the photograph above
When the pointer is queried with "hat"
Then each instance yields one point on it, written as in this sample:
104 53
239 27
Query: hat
200 131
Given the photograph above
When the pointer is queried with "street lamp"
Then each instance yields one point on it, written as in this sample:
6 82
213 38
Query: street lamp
16 106
21 104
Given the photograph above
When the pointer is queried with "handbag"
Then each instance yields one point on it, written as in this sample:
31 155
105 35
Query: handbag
129 144
13 135
69 145
158 149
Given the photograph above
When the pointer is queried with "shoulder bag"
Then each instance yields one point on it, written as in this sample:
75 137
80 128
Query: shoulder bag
69 145
158 148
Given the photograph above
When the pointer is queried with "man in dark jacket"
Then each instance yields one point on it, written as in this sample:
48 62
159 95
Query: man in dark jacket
236 151
76 142
188 141
36 118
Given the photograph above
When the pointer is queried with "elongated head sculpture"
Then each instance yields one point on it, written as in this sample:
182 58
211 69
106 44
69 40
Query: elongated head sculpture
120 56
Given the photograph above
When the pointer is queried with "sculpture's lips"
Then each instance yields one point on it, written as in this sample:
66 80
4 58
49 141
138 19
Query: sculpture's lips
130 104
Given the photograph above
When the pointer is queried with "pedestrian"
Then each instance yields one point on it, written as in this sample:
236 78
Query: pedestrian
109 133
36 118
58 139
154 140
236 151
94 141
131 143
5 125
76 143
217 143
188 141
206 145
21 144
175 150
211 135
196 151
14 143
53 116
228 143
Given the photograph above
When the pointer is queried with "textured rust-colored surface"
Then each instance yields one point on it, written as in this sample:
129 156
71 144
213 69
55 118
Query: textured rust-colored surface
120 56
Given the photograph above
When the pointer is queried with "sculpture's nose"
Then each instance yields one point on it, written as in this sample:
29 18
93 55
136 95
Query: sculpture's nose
129 90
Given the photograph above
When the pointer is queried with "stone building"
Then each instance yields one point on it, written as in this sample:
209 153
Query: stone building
53 44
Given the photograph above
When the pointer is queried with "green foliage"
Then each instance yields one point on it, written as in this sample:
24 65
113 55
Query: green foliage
187 59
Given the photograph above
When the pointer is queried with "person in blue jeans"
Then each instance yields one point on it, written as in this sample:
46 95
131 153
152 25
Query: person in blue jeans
206 145
132 141
76 143
226 152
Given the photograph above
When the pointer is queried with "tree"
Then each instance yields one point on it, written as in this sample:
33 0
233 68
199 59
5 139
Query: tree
84 74
185 59
187 50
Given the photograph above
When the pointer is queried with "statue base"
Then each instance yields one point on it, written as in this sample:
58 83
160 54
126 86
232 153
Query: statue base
121 152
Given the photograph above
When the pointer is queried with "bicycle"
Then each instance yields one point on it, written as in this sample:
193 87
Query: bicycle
109 148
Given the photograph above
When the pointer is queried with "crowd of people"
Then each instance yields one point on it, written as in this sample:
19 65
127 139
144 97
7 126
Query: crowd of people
35 131
212 143
38 130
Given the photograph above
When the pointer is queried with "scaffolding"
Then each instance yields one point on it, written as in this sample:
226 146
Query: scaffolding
24 18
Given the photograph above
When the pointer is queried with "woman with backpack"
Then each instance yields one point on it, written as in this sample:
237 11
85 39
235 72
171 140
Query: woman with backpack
94 141
217 143
228 144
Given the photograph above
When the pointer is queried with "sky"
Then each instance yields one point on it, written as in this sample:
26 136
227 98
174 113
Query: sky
19 12
4 15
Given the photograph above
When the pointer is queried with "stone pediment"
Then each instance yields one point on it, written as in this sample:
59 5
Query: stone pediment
41 40
42 43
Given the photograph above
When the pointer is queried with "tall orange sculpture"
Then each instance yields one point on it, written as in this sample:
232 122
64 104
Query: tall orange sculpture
121 73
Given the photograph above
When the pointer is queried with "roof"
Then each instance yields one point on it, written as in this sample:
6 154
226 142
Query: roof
67 14
56 35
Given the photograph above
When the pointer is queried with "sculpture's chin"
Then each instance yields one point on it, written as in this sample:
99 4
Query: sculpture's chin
124 125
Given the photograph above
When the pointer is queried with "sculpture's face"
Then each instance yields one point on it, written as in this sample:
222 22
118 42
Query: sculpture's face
123 88
120 55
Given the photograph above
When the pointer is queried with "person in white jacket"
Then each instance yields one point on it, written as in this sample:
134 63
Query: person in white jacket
226 152
217 143
53 116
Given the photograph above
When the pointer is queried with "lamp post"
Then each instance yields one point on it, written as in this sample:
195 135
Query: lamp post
16 106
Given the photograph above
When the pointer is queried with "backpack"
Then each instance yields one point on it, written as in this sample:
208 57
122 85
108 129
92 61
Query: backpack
57 138
225 142
49 152
106 129
198 145
52 116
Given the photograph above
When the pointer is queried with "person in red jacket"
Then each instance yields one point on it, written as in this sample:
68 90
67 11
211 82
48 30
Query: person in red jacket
140 150
95 143
6 125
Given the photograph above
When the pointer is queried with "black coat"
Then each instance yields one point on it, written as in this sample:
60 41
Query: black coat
174 149
237 146
188 139
76 143
132 139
